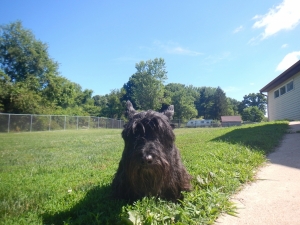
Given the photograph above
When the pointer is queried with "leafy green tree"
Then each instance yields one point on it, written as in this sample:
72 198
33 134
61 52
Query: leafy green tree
233 107
254 99
253 114
61 92
193 91
85 97
100 100
114 107
35 84
72 111
92 110
21 55
24 100
128 92
205 102
31 79
147 89
30 83
220 106
19 97
5 90
183 100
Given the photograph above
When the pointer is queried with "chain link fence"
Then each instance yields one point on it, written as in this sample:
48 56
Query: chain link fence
31 122
184 124
179 123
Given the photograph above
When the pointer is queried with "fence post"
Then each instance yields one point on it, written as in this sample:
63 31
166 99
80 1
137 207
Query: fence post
8 123
89 122
50 123
98 122
77 122
65 122
31 123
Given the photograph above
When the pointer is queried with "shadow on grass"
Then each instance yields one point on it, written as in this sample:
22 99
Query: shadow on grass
262 138
96 208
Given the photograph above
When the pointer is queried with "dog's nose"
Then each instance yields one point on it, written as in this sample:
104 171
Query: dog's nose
149 159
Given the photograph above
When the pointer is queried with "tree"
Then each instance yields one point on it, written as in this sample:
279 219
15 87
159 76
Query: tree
61 92
19 97
220 106
254 99
5 89
183 101
100 101
21 55
233 106
114 107
24 100
147 84
31 79
128 92
253 114
204 103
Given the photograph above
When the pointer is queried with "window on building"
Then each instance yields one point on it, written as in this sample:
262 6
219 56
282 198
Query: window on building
282 90
276 94
286 88
290 86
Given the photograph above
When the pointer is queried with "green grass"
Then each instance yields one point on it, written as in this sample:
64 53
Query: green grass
64 177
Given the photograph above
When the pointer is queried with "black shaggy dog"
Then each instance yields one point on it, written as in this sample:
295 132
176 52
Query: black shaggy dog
150 164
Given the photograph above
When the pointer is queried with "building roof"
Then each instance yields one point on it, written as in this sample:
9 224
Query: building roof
231 119
282 77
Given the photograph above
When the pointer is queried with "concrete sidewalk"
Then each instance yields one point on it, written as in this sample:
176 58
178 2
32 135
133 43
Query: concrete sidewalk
275 197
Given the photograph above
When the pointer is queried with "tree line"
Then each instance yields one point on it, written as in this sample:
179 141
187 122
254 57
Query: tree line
30 83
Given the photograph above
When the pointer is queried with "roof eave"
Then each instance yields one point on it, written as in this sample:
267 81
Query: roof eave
282 77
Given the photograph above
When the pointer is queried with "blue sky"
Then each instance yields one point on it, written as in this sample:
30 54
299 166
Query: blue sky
237 45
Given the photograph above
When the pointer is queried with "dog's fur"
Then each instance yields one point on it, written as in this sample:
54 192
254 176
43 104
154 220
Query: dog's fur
150 164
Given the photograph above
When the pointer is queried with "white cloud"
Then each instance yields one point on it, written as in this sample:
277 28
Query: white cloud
284 45
288 61
253 41
174 48
238 29
252 84
285 16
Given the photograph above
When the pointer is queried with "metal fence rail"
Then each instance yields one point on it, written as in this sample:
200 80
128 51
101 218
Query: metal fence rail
179 123
31 122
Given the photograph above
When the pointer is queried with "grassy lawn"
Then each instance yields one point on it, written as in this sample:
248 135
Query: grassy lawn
64 177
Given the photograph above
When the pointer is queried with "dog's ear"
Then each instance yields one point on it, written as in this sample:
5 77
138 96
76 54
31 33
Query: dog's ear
169 112
130 111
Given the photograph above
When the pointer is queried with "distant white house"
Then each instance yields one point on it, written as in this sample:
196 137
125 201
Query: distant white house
199 123
284 95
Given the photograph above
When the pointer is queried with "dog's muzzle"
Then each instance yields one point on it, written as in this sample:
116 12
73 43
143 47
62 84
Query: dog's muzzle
147 159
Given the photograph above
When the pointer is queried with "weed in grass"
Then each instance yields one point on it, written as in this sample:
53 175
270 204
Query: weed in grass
65 177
